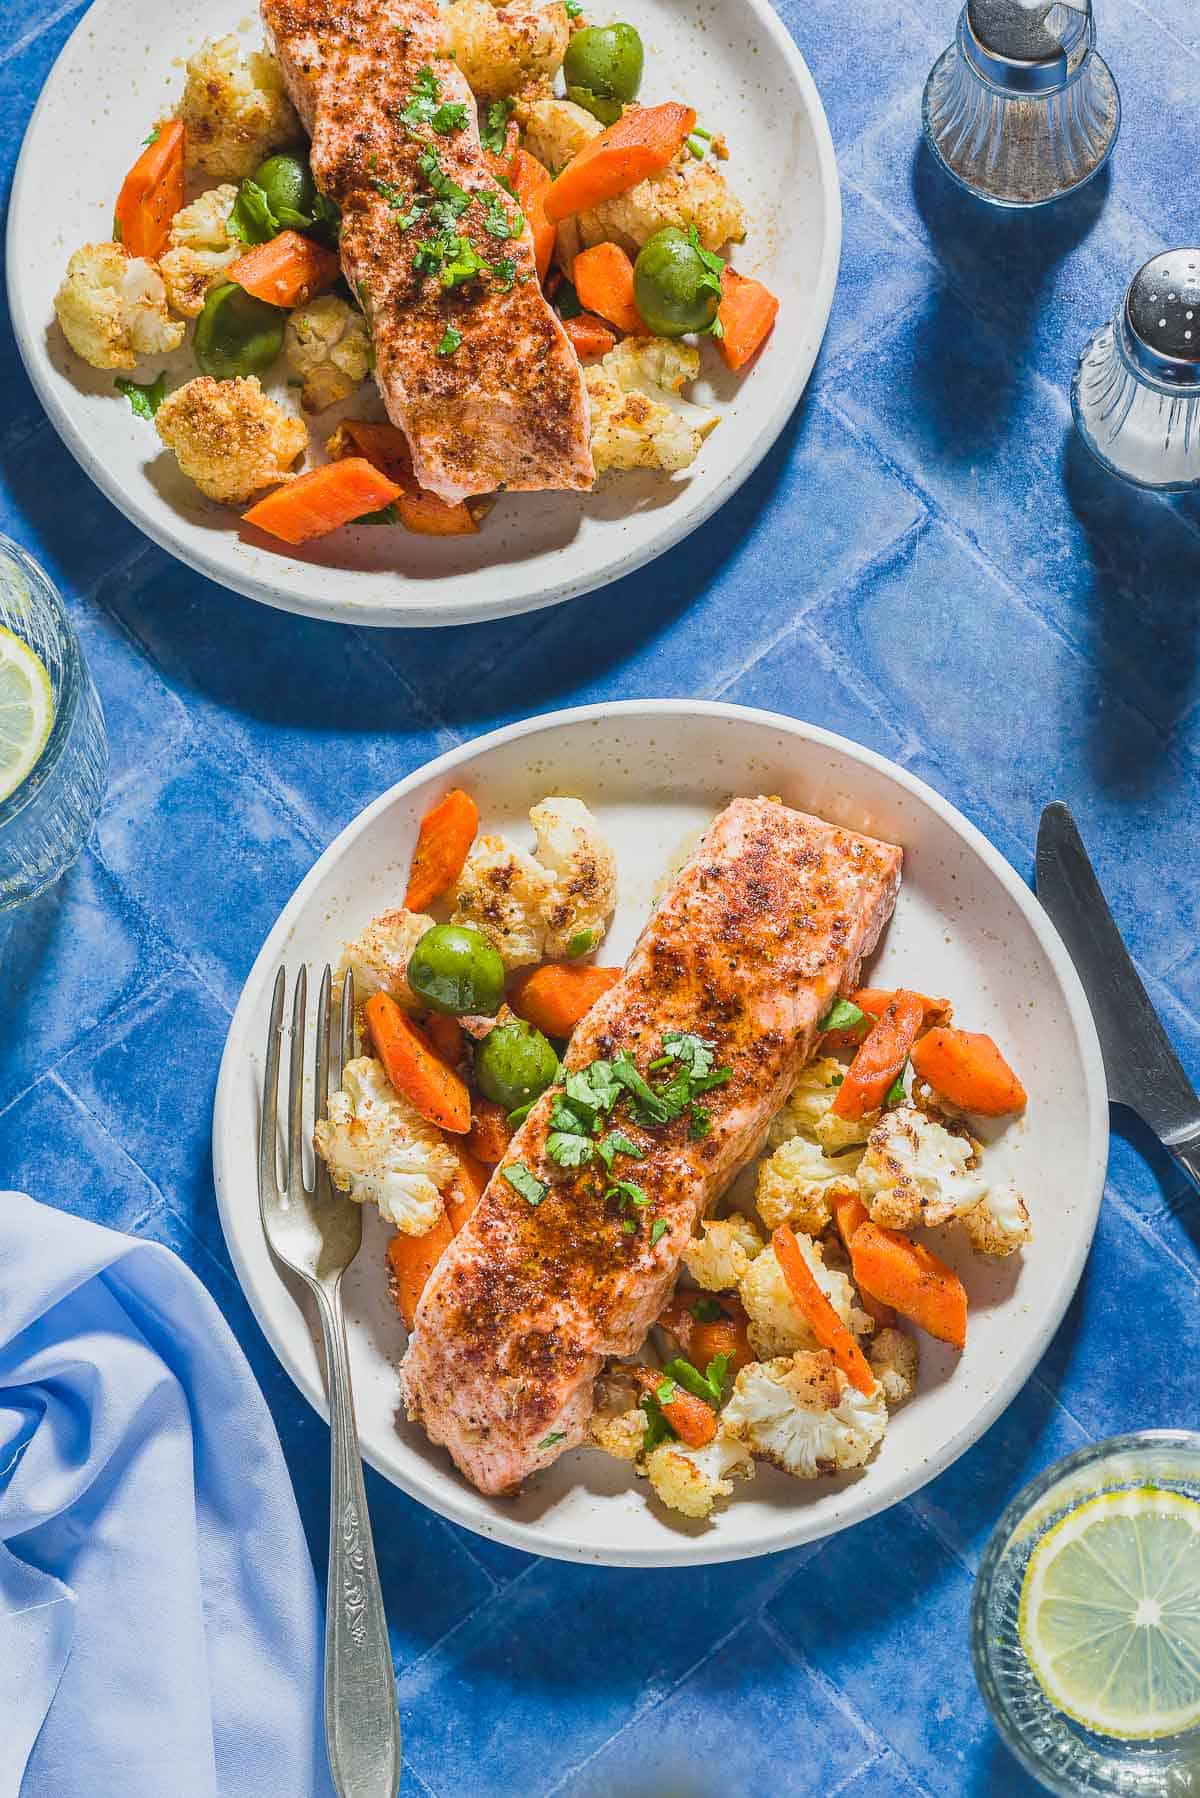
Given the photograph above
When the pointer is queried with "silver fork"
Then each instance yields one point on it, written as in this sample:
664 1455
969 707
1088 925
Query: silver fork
317 1233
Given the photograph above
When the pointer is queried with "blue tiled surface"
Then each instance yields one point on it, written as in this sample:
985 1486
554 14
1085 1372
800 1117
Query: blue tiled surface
927 562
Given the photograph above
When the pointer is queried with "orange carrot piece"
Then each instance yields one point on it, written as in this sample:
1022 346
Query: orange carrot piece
911 1278
413 1067
700 1341
319 502
747 313
694 1422
555 997
531 183
490 1134
819 1314
874 1001
848 1213
466 1189
152 193
643 140
966 1067
387 449
603 278
446 1035
443 844
589 335
881 1059
411 1259
286 271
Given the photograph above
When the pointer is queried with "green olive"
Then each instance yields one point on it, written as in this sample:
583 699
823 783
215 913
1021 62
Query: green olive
606 60
607 111
237 334
514 1064
673 289
288 184
455 970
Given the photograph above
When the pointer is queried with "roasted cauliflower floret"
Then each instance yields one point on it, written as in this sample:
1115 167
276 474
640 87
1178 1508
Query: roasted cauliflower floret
500 892
555 130
236 109
691 1480
800 1413
915 1171
230 437
685 193
379 956
999 1224
639 419
618 1423
809 1103
577 908
893 1359
112 307
202 248
378 1148
503 49
719 1257
798 1185
328 348
777 1325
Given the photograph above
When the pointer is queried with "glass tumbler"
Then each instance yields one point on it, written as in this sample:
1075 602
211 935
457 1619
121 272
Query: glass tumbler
45 820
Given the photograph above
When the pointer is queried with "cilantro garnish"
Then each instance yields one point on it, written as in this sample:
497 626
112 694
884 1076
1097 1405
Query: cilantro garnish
424 102
648 1106
581 943
144 399
450 116
657 1428
707 1311
455 198
709 1385
617 1143
153 137
528 1185
572 8
566 301
665 1392
405 209
389 514
569 1148
495 127
255 221
629 1192
463 263
693 1051
701 1123
896 1094
842 1015
595 1086
658 1230
496 220
504 271
550 1440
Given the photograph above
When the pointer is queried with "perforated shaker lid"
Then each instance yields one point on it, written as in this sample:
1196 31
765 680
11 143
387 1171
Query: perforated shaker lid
1163 310
1028 45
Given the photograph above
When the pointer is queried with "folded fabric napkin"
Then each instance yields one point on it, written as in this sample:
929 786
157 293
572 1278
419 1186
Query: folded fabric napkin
160 1635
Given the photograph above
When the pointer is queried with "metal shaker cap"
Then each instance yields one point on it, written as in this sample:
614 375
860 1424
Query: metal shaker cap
1162 309
1028 46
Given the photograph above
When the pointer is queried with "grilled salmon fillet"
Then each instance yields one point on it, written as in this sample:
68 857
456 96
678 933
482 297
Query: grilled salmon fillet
767 924
506 407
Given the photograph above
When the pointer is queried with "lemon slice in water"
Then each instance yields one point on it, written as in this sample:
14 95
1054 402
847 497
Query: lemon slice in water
26 710
1110 1614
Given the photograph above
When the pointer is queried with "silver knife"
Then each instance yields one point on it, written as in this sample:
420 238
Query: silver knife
1142 1068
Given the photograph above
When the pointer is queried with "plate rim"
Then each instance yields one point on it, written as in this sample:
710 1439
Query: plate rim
866 1500
426 613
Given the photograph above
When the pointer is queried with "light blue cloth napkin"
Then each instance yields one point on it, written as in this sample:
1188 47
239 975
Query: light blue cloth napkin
159 1627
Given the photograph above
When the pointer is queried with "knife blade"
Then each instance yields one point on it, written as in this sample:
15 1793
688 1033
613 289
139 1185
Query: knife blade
1142 1068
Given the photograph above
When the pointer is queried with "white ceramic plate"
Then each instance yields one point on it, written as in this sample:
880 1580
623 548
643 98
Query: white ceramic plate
732 59
656 772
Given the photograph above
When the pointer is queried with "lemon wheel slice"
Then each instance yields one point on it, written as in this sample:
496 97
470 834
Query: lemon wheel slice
26 709
1110 1614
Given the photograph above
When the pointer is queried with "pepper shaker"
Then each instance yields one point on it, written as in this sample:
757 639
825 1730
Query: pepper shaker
1021 109
1136 392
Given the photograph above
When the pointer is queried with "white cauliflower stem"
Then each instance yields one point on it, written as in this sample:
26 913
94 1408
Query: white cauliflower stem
777 1324
999 1224
800 1413
915 1171
502 49
639 419
379 1149
577 908
230 437
328 348
719 1257
112 307
379 956
236 109
691 1480
798 1185
893 1359
201 249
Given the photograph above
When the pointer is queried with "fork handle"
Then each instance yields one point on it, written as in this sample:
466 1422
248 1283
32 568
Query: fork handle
362 1720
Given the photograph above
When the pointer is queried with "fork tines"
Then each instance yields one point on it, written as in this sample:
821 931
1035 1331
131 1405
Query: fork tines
328 1079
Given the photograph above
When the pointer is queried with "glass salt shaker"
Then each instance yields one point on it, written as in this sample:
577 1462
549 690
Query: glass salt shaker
1021 109
1136 392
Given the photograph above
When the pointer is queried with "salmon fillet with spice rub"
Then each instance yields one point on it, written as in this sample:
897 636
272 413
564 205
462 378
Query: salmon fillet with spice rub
768 923
473 365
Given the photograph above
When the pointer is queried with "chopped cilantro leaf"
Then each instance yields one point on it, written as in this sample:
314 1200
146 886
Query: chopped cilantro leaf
648 1106
425 96
629 1228
450 116
405 209
389 514
595 1086
251 218
496 220
707 1311
700 1123
517 1118
144 399
550 1440
569 1149
629 1192
528 1185
666 1391
658 1230
463 264
572 8
896 1094
657 1428
694 1052
153 137
708 1385
581 943
452 196
842 1015
617 1143
495 127
566 301
504 271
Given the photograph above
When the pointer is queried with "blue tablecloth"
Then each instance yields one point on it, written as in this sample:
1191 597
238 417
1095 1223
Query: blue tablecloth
929 562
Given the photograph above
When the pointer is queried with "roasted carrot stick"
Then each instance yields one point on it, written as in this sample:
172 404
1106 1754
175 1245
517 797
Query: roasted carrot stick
490 1134
694 1422
910 1277
443 844
880 1061
555 997
603 278
703 1337
414 1069
531 182
152 193
746 313
848 1213
967 1068
413 1258
286 271
589 335
819 1314
643 140
873 1001
319 502
386 449
447 1036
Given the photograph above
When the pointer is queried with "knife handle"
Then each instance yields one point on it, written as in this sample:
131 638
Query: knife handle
1187 1154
